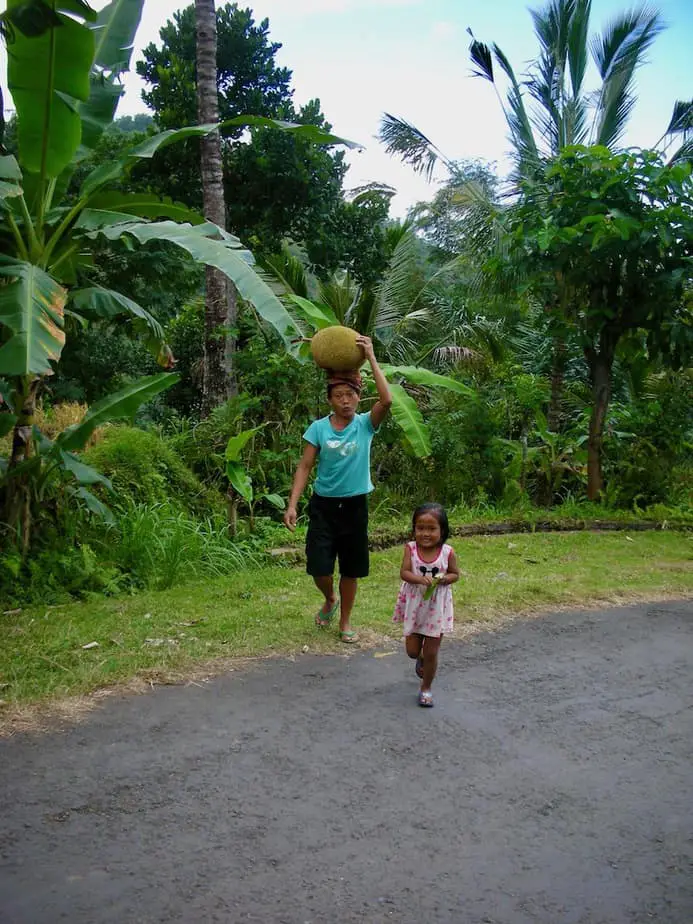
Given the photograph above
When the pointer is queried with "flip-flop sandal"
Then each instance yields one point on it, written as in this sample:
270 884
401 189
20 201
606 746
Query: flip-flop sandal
323 620
348 637
425 698
419 666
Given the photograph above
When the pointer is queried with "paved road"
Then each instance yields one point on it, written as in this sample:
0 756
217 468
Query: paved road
552 783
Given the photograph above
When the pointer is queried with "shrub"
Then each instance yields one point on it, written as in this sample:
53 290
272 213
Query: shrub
145 469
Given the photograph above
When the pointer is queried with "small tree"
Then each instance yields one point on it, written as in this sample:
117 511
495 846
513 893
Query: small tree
616 232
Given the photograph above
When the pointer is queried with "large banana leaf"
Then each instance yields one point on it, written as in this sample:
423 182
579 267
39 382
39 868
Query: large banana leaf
121 405
106 173
223 254
240 480
114 33
94 505
10 178
145 205
31 306
115 30
409 418
46 74
308 132
236 443
82 473
105 303
419 376
319 316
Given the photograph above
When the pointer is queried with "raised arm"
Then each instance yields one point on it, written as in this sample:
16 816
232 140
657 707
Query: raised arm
384 402
305 466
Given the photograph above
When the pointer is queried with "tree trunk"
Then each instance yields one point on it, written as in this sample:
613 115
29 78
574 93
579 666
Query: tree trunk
232 511
219 375
558 359
18 487
600 363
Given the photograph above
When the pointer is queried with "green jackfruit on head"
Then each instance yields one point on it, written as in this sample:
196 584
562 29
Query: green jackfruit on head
336 348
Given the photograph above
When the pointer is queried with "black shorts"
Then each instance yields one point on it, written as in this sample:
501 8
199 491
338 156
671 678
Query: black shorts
337 528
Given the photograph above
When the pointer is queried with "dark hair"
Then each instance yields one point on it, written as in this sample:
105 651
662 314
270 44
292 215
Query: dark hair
437 511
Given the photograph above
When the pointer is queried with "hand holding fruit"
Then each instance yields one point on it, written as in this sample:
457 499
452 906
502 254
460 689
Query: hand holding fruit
366 345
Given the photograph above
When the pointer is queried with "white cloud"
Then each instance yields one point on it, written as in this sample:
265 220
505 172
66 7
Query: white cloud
443 29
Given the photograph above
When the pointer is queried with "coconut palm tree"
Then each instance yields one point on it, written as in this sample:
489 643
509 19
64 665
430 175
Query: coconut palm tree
565 111
218 379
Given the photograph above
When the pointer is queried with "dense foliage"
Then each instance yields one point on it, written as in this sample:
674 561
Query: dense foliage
491 315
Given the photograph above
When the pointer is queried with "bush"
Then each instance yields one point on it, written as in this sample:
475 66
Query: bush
145 469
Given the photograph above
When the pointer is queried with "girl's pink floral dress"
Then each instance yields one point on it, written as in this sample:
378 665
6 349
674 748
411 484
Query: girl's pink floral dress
432 617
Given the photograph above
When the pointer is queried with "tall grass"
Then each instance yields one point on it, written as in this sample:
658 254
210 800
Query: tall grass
161 546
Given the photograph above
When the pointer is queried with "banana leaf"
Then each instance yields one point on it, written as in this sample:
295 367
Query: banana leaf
409 418
32 307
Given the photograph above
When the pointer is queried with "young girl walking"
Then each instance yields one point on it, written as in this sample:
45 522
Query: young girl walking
424 603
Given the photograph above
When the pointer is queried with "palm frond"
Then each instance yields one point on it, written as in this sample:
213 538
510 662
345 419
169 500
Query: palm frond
517 117
681 121
410 145
371 192
339 294
683 155
398 290
561 28
394 232
481 58
618 53
362 314
578 44
289 271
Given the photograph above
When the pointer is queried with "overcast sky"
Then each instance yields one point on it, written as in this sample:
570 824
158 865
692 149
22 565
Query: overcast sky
409 57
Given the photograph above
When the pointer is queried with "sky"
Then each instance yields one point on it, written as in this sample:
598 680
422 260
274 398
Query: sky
410 58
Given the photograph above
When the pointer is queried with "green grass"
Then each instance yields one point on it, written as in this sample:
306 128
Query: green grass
270 610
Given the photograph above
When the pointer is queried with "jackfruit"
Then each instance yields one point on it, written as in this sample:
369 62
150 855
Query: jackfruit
336 348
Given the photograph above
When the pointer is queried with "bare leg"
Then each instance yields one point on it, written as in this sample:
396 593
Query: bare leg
430 662
347 593
414 644
325 585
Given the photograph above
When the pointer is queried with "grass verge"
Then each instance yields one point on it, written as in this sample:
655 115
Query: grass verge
167 635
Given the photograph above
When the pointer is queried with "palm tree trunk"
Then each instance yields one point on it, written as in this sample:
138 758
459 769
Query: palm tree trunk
219 375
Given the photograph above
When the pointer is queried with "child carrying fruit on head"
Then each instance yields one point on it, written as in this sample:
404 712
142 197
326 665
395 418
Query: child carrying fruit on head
424 603
338 507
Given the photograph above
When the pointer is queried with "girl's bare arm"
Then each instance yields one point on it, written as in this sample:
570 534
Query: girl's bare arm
410 576
453 571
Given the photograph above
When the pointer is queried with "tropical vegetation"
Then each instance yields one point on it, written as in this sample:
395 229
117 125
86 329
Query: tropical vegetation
160 275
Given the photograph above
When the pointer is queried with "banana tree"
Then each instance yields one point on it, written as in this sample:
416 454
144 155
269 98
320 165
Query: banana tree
240 482
64 68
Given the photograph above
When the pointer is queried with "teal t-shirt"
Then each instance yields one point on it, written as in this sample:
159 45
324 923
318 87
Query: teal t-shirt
344 456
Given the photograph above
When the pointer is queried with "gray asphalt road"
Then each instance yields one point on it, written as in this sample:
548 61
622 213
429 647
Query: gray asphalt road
551 783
